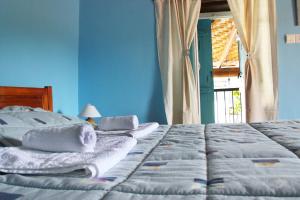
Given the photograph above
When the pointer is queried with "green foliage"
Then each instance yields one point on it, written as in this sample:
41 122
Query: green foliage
237 103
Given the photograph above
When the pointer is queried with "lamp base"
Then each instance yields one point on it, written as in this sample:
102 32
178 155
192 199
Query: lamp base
91 121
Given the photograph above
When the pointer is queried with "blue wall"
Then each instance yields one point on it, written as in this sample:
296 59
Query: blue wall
39 46
118 69
289 61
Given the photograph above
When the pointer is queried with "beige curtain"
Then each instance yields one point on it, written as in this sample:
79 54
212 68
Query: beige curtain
256 24
176 27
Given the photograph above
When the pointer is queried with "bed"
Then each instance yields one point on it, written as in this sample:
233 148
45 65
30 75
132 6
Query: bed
26 96
216 161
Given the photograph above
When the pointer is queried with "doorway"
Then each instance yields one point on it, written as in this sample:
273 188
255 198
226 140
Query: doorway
221 75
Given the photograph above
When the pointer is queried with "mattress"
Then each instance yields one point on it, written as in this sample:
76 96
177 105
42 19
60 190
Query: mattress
217 162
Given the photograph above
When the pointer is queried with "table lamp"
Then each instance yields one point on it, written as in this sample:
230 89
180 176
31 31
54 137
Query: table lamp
90 112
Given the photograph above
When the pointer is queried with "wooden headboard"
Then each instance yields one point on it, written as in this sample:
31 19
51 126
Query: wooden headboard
26 96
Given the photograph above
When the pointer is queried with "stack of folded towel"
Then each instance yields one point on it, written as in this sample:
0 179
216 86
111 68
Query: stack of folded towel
109 151
129 124
58 150
66 149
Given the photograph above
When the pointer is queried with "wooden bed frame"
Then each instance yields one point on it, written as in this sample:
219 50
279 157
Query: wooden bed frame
26 96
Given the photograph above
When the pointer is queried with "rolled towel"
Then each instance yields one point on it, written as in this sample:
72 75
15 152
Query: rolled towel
144 129
118 123
76 138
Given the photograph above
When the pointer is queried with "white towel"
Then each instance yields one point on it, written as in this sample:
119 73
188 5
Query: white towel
119 123
142 131
109 151
76 138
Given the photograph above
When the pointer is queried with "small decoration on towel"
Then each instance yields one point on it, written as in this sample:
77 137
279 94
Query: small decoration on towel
165 144
201 181
106 179
155 165
9 196
2 122
202 151
39 121
135 153
211 152
215 181
67 118
265 162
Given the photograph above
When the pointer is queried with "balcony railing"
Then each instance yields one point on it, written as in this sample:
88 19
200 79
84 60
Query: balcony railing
228 105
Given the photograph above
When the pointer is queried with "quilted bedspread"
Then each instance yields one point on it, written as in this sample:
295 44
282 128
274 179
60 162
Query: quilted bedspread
217 162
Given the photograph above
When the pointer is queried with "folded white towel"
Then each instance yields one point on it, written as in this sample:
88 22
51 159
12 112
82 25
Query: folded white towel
144 129
109 151
76 138
119 123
